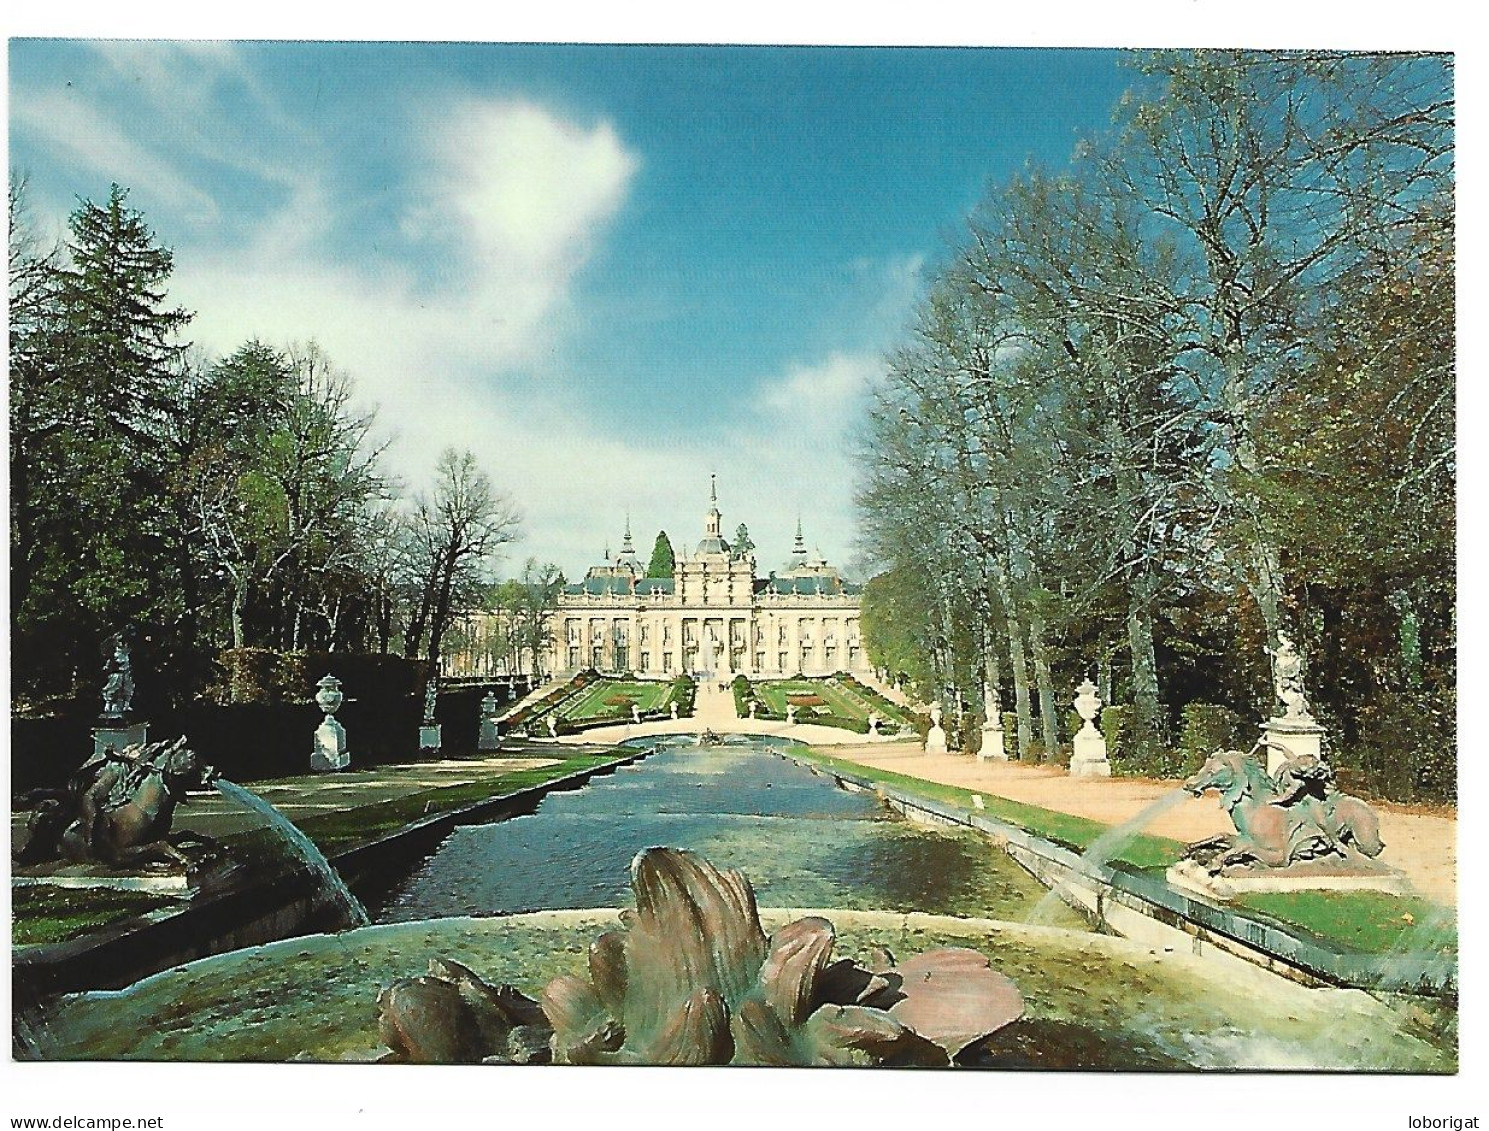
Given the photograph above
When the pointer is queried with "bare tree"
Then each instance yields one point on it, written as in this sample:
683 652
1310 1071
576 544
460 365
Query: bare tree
457 530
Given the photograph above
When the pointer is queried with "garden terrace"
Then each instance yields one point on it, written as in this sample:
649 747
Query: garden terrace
340 813
1362 922
613 699
825 702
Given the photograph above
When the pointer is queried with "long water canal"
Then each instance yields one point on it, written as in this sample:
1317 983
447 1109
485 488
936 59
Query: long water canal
801 840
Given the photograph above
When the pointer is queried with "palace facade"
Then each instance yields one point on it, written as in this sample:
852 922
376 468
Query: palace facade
712 616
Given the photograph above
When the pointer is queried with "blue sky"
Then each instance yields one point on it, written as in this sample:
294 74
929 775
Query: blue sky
608 271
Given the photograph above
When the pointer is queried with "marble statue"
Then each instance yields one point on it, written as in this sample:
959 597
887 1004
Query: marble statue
1287 677
935 739
431 697
118 686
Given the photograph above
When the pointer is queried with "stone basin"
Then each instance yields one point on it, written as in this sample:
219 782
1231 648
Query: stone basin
1092 1001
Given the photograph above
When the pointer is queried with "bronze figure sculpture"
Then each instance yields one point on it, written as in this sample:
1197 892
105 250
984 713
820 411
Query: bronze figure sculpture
117 809
691 978
1298 815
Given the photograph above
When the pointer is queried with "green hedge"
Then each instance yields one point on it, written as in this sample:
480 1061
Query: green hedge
1206 728
744 693
684 693
263 675
1011 735
1136 750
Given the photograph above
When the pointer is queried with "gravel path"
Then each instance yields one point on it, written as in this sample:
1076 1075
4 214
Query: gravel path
1423 845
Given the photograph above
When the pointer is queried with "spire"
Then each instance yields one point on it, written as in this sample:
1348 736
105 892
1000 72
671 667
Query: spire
711 524
799 550
626 546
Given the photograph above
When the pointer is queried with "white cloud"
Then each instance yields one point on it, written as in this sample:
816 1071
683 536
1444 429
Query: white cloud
518 199
529 188
66 122
830 387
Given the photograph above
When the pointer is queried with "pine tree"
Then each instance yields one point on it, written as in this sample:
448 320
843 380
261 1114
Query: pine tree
743 545
662 558
104 351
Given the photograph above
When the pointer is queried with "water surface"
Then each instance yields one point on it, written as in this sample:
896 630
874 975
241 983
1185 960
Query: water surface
801 840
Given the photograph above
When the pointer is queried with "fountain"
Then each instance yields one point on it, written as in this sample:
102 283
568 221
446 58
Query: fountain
112 822
111 828
513 906
692 979
1295 830
1104 849
301 845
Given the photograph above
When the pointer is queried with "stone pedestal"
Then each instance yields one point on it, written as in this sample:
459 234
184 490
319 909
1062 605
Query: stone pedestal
1356 874
117 733
488 739
1088 755
935 738
330 748
1089 758
429 737
993 749
1298 737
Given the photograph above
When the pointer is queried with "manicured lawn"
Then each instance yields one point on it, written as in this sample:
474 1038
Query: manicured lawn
335 832
775 692
44 914
1142 851
1372 922
648 695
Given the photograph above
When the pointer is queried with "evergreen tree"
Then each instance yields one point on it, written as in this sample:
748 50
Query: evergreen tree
743 546
103 360
662 558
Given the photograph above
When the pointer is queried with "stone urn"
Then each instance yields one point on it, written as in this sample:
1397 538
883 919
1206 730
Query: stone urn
1089 757
329 752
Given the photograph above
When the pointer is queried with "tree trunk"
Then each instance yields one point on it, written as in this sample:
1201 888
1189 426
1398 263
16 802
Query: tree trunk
1017 662
441 615
1140 645
415 634
240 599
1049 719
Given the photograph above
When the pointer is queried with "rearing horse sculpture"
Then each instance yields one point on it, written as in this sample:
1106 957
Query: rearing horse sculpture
1298 816
117 809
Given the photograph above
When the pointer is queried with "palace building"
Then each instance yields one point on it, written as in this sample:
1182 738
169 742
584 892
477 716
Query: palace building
713 615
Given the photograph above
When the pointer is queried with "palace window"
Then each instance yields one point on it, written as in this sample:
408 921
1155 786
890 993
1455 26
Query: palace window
666 661
645 661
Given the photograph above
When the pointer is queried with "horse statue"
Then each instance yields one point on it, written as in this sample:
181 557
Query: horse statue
1299 815
117 809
